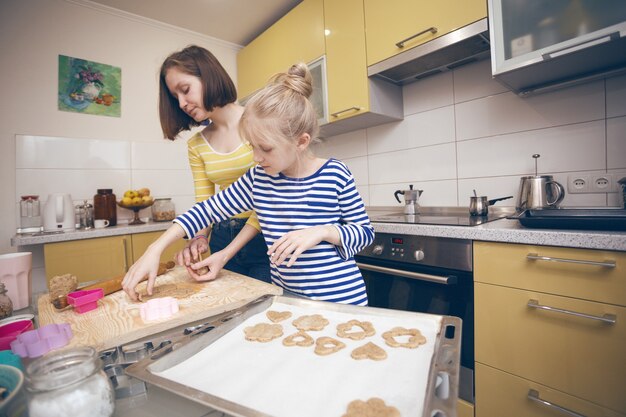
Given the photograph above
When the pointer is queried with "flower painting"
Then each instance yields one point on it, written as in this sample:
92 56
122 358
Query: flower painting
89 87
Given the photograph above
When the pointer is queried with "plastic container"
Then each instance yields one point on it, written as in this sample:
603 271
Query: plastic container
15 272
10 331
105 206
163 210
14 404
69 382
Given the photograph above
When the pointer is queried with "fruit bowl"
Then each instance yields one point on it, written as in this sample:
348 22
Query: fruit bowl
136 209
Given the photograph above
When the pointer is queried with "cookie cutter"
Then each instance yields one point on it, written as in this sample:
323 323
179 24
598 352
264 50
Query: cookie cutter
35 343
85 300
159 308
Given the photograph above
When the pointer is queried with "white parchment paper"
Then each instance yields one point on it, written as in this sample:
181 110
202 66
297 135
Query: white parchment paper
293 381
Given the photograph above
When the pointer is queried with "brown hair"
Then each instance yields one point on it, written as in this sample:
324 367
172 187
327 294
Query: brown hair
282 107
218 88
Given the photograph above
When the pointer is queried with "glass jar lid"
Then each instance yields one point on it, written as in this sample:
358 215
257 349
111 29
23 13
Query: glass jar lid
61 368
105 191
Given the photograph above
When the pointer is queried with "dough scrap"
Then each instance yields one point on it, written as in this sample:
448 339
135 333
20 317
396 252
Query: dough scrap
416 338
300 338
178 291
276 316
312 322
326 345
263 332
346 330
369 351
374 407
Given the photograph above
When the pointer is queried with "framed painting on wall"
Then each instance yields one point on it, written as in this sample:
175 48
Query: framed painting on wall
89 87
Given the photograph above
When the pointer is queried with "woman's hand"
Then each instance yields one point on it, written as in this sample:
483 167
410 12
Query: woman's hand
146 265
213 265
292 244
191 253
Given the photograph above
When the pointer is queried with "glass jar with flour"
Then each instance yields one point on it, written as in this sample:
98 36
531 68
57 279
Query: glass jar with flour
69 382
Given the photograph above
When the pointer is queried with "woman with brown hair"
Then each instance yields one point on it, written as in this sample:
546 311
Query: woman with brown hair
195 90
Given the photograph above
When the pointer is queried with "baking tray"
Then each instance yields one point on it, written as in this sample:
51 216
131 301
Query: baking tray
433 388
585 219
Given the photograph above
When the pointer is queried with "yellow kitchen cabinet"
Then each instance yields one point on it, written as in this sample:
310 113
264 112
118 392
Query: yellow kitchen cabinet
553 320
388 22
464 409
100 258
500 394
296 37
89 259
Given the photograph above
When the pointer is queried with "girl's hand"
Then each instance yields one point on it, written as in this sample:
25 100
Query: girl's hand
191 252
147 265
292 244
213 265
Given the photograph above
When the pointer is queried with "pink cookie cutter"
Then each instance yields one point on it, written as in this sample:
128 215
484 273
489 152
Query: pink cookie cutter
86 300
38 342
159 308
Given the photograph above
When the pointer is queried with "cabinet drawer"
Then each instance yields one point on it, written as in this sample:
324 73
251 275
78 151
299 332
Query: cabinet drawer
501 394
577 355
571 272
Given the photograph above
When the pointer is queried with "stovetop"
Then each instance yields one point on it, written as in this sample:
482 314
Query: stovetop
445 216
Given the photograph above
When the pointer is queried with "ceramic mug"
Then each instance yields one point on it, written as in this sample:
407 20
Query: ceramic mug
100 223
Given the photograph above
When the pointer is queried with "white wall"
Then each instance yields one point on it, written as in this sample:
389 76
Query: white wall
462 131
32 35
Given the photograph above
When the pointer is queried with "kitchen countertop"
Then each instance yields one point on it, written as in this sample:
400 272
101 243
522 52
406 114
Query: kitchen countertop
505 230
119 229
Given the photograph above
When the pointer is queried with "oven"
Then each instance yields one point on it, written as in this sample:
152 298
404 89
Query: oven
427 275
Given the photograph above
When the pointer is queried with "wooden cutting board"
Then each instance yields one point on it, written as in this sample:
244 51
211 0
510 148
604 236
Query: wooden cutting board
117 319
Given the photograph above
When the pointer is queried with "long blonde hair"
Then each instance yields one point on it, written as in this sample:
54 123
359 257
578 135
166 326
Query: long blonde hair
282 111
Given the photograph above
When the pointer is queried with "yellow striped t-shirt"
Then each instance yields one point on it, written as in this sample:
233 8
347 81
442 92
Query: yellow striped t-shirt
211 168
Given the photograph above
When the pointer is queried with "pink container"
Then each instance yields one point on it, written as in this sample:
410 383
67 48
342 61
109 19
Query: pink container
86 300
15 272
10 331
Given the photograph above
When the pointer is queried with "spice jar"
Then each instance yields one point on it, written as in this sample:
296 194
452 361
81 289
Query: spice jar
6 305
69 382
163 210
105 206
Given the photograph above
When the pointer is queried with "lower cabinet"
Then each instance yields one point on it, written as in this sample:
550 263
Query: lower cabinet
500 393
464 409
100 258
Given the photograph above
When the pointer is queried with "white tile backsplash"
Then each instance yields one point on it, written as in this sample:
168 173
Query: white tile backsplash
507 113
347 145
163 154
358 167
464 131
616 142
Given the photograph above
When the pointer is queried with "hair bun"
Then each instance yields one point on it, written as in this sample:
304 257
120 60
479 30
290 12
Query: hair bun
298 78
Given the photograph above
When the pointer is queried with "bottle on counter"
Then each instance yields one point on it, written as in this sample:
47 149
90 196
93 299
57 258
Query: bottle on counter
6 305
105 206
69 382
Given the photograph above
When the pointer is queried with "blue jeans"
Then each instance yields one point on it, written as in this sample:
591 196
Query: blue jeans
251 260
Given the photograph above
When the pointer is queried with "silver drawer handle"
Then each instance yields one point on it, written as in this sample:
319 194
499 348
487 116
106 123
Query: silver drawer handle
355 108
432 30
408 274
605 264
533 395
606 318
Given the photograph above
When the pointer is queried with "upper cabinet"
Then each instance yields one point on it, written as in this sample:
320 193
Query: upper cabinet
395 26
339 65
297 37
540 45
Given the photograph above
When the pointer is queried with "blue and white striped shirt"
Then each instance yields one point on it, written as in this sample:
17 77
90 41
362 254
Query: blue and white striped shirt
328 197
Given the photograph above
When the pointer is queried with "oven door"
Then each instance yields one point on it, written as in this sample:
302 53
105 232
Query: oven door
426 290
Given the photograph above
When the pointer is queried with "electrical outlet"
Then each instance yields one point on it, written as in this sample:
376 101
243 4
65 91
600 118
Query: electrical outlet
602 183
578 183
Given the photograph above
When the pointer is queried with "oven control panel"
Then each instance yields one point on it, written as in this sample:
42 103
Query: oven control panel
421 250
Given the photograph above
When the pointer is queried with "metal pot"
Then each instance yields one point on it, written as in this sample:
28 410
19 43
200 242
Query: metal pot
540 191
479 205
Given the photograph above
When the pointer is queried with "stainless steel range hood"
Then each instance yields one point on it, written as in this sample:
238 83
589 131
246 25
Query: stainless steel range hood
467 44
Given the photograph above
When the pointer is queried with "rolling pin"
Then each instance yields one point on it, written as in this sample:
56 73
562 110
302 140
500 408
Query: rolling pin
109 286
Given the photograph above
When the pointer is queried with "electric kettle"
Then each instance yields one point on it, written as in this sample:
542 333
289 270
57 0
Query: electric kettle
410 199
539 191
58 213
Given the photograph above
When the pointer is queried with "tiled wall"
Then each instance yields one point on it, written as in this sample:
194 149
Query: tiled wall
79 167
464 131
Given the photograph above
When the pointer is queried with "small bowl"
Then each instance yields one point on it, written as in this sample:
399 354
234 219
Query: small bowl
17 317
14 404
10 331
